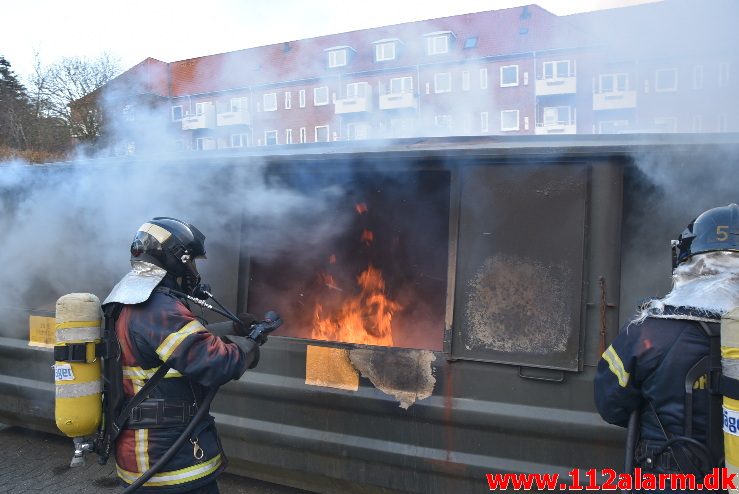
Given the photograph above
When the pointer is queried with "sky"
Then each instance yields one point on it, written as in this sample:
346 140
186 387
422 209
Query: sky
176 30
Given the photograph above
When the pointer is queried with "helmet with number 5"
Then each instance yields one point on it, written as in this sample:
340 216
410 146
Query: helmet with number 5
714 230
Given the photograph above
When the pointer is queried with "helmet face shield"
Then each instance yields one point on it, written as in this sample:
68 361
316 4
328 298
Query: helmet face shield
715 230
171 244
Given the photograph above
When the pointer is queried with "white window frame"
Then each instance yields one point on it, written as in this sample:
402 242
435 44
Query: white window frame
357 89
316 102
438 77
385 51
613 123
328 133
438 44
443 121
301 98
556 110
182 114
406 84
269 102
288 136
614 78
338 58
238 104
502 76
503 128
200 143
483 78
664 89
352 129
288 100
665 121
484 122
697 123
200 107
698 77
555 69
242 139
303 135
465 81
268 133
723 74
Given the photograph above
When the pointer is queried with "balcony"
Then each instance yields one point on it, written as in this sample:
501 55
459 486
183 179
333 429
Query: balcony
241 117
556 85
614 100
398 101
205 120
564 127
358 104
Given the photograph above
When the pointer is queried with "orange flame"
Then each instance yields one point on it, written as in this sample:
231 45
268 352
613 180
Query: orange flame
361 208
328 280
365 318
367 237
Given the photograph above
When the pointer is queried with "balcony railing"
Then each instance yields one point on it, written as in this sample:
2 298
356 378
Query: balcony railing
395 101
356 104
205 120
241 117
556 85
561 127
614 100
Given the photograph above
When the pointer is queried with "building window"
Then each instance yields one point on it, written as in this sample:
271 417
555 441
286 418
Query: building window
401 127
288 136
557 69
698 77
321 133
320 96
483 78
665 80
337 58
465 81
357 90
176 113
301 98
509 75
508 120
239 140
205 143
666 124
470 42
436 44
288 100
238 104
401 85
129 113
269 102
613 83
443 121
302 135
356 131
723 74
484 124
270 137
385 51
722 123
200 107
556 115
697 123
443 82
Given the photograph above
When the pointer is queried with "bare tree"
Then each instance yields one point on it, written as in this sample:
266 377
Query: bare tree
69 90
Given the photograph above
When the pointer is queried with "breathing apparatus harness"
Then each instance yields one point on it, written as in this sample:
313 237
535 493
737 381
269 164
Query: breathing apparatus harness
116 415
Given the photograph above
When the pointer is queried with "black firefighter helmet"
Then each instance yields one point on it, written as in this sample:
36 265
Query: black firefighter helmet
172 245
714 230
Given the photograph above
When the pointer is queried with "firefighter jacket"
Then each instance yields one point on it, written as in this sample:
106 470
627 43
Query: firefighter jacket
646 368
162 329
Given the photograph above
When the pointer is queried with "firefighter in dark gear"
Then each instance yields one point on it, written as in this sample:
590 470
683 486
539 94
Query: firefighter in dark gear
154 327
652 365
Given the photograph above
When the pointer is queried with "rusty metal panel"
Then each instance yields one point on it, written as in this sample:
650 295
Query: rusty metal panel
520 264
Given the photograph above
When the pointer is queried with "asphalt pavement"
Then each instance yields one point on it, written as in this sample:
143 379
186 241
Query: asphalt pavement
38 462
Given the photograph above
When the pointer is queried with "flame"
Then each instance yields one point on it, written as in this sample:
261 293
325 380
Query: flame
328 281
367 237
361 208
365 318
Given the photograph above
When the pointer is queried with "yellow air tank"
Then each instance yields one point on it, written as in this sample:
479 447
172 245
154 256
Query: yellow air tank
730 368
77 370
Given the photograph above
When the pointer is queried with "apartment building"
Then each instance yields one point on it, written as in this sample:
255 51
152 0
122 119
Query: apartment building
515 71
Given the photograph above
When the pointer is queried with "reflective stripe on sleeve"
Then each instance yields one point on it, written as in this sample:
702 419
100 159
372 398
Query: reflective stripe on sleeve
141 374
176 476
170 344
616 366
